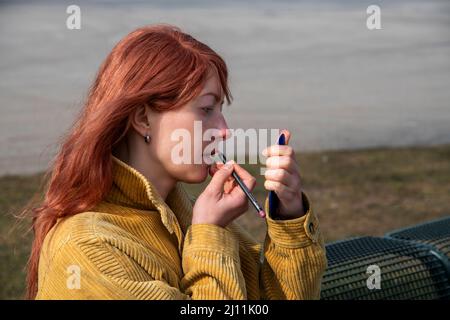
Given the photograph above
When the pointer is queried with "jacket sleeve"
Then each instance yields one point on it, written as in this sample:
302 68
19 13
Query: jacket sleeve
290 263
294 257
211 264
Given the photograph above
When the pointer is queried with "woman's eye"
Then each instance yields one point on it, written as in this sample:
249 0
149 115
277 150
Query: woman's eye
207 109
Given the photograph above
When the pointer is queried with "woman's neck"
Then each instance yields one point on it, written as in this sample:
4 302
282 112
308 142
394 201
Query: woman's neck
152 170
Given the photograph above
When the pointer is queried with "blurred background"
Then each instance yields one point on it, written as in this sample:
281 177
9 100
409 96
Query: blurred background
368 110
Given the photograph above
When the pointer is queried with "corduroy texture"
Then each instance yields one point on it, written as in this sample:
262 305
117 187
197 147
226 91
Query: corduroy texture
133 245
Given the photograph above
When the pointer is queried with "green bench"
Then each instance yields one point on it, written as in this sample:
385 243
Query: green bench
411 263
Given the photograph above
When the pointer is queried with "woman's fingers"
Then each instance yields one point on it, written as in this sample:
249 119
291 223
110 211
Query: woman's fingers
287 135
246 177
284 177
237 195
284 192
230 183
278 150
214 168
220 177
282 162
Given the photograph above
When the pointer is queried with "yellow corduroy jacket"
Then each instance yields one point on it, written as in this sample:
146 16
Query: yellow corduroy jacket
135 245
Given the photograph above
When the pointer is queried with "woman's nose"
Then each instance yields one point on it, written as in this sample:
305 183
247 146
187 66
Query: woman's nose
225 132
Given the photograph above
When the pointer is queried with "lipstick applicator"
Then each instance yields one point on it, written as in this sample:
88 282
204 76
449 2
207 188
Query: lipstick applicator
244 188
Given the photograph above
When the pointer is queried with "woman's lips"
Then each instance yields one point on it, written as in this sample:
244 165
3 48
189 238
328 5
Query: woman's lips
210 156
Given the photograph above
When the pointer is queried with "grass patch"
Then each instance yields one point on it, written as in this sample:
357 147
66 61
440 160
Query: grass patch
358 192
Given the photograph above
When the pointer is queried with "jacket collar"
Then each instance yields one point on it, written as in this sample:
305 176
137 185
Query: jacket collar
132 189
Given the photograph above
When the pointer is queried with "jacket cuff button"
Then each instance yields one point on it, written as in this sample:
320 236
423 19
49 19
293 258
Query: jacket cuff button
311 227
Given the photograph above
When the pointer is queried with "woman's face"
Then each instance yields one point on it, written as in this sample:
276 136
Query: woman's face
177 135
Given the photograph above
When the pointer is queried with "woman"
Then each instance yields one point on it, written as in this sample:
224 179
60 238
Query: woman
115 222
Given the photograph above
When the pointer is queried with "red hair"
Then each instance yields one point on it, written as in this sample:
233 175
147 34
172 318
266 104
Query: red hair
157 65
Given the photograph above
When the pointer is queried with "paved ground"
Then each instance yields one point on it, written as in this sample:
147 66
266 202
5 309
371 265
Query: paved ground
315 69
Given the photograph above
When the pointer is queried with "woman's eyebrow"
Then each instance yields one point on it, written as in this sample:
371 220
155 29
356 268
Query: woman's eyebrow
216 97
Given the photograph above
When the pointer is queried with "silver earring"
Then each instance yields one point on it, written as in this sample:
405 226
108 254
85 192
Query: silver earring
147 138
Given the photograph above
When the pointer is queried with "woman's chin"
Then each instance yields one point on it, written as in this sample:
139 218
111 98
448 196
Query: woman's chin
198 174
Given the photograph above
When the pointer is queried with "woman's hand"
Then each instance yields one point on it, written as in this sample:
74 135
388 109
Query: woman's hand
283 177
223 200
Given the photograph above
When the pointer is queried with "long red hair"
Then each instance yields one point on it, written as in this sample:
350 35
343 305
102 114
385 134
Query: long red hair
157 65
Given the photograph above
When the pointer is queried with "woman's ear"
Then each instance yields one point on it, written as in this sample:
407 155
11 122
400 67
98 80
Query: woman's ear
140 120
